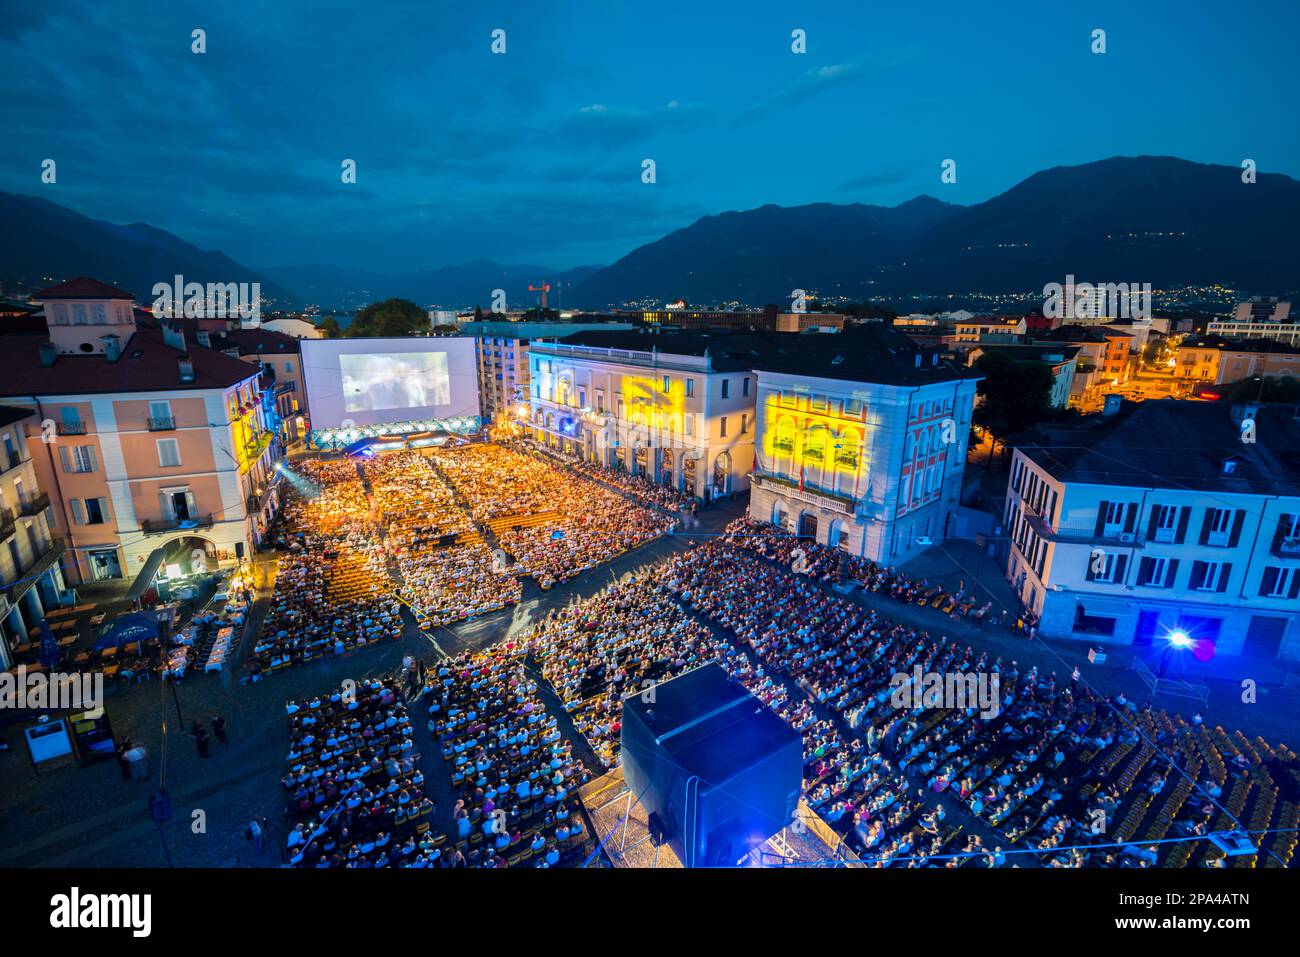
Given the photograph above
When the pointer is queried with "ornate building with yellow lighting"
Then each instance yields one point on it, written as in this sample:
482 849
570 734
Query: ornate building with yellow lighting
861 442
675 408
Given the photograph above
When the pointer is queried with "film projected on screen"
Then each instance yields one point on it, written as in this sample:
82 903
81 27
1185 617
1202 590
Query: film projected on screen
380 381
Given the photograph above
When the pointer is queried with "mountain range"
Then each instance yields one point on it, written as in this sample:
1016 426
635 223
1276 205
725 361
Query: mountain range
1162 220
44 243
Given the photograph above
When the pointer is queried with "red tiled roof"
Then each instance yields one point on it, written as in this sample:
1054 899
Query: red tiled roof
83 287
147 364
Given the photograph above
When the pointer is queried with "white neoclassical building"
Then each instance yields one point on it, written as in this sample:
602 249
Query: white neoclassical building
861 442
676 408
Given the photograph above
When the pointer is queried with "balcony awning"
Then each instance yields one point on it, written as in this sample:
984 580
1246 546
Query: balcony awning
144 581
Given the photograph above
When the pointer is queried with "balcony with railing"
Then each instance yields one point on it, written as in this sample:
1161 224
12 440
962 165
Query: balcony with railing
9 461
27 574
1081 533
161 424
159 526
34 505
809 493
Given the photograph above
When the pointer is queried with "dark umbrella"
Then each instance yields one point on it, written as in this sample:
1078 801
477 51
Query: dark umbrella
50 653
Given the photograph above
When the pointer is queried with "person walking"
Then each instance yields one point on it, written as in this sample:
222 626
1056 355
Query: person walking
219 728
138 758
256 834
200 739
122 763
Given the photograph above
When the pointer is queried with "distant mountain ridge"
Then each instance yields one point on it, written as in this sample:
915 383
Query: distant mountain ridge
1152 219
44 243
1156 219
458 286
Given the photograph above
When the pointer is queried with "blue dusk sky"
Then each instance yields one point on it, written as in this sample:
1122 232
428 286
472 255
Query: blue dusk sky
535 156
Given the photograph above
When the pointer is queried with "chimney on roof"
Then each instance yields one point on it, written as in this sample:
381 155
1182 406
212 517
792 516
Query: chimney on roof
186 368
48 354
1244 412
112 347
173 335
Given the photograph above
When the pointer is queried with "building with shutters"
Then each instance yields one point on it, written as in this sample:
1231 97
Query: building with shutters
31 581
1162 517
141 438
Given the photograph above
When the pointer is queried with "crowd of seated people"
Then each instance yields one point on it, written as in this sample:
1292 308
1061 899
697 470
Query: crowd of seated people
648 493
447 570
331 590
1035 770
513 773
553 523
633 634
355 795
616 643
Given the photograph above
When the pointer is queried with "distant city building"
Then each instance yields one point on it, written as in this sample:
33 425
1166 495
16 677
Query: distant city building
146 440
1259 319
757 320
501 349
1220 361
1102 363
1159 519
861 442
293 326
1036 323
982 327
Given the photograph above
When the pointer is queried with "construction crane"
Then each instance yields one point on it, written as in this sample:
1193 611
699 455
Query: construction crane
544 288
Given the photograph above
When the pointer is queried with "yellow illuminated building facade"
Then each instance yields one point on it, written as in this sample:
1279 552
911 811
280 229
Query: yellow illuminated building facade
871 468
676 418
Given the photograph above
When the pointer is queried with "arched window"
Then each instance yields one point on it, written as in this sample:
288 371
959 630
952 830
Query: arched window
722 473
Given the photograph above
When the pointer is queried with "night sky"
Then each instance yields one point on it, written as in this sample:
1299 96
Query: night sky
535 156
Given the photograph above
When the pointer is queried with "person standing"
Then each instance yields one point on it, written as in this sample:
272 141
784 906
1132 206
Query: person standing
123 764
200 739
219 728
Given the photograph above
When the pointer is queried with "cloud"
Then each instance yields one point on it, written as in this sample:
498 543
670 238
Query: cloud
819 79
873 180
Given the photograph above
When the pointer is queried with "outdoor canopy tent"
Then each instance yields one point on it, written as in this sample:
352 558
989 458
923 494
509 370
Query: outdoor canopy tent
136 626
144 581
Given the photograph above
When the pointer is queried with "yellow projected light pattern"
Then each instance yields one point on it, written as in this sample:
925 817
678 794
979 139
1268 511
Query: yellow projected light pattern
826 448
649 405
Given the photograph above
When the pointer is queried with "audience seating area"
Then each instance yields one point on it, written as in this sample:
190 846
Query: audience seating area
354 790
512 771
1054 772
555 523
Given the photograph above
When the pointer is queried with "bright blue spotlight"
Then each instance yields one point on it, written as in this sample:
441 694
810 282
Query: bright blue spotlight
1180 639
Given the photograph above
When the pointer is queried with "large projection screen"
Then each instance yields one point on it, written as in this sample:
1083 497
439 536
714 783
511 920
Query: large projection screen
383 381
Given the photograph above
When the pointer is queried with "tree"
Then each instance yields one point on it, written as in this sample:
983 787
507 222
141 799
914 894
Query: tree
1013 395
1272 389
392 317
329 328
